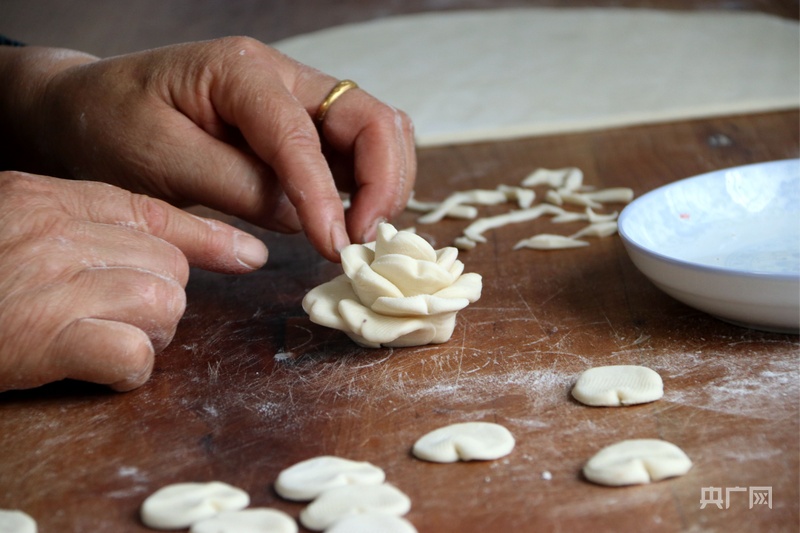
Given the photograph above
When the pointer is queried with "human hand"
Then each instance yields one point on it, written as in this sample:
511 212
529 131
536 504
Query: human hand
92 278
226 124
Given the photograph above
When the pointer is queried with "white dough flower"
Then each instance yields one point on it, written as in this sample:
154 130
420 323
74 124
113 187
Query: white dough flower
396 291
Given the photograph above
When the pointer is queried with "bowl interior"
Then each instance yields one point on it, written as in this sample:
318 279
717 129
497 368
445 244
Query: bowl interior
744 220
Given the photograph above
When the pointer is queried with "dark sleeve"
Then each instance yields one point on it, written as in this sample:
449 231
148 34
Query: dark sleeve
5 41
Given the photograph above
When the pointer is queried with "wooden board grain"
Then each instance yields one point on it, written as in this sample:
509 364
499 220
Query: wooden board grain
250 386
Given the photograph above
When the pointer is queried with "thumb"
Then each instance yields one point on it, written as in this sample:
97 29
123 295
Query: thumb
206 243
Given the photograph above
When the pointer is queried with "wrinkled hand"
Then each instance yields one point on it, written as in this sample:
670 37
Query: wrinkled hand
227 124
92 278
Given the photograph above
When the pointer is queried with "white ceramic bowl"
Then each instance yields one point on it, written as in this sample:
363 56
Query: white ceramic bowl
726 242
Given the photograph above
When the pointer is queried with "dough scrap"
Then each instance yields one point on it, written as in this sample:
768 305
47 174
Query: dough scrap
308 479
618 195
597 229
255 520
337 503
465 441
637 461
612 386
570 178
397 291
548 241
456 199
566 186
372 523
591 199
588 216
476 229
487 72
180 505
457 211
464 243
524 197
13 521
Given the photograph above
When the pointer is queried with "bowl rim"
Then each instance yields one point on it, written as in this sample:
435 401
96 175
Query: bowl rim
710 269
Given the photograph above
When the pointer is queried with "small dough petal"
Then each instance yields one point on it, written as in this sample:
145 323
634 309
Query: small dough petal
254 520
405 243
354 257
376 328
322 302
369 286
466 442
180 505
412 276
637 461
418 306
611 386
12 521
335 504
467 286
372 523
447 257
307 479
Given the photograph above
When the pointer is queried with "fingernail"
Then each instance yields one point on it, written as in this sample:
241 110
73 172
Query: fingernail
339 238
372 232
249 251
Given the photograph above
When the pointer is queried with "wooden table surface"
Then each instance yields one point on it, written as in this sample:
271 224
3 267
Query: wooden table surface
249 386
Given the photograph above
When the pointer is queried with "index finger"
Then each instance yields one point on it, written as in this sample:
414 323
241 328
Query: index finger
279 129
381 140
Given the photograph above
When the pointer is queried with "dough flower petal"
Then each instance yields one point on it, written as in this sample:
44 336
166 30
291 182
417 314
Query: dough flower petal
412 276
397 291
421 305
393 242
369 286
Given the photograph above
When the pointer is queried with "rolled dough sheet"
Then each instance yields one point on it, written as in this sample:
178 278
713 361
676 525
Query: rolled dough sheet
469 76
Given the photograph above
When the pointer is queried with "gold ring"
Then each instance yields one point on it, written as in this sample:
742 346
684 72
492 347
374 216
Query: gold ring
338 90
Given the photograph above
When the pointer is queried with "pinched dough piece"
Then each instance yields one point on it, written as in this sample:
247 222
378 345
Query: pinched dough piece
611 386
637 461
308 479
466 441
247 521
340 502
372 523
180 505
12 521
